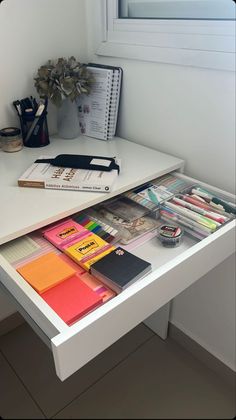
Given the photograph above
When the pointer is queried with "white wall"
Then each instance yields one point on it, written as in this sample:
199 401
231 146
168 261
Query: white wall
31 32
190 113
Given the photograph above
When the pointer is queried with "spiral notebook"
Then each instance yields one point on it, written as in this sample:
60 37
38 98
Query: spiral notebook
98 111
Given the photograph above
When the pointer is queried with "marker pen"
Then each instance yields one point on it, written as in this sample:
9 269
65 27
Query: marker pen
192 215
214 216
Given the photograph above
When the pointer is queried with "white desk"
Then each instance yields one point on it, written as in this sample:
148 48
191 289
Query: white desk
26 209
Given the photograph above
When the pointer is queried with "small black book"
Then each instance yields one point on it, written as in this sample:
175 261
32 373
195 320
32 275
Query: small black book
119 269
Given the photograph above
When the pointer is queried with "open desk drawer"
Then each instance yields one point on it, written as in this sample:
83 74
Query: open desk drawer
173 271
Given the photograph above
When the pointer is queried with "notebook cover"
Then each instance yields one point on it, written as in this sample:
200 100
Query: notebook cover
120 268
72 299
97 286
46 271
63 233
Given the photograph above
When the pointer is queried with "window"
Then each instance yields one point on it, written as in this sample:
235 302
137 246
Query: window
185 32
177 9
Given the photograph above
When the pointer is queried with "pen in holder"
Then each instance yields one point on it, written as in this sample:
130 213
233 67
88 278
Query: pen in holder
33 120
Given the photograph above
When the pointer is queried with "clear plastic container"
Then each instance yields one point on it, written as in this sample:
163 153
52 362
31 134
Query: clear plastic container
11 140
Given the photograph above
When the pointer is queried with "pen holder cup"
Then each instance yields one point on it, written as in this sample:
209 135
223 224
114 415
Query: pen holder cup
39 136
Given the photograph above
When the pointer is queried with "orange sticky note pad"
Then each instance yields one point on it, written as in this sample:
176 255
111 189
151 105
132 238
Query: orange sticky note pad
46 271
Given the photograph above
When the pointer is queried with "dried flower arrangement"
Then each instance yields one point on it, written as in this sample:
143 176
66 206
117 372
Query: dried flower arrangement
63 78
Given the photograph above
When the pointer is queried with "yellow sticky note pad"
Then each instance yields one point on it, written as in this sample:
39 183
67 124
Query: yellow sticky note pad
88 250
87 264
46 271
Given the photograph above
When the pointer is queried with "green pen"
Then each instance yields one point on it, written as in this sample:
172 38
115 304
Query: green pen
216 200
152 196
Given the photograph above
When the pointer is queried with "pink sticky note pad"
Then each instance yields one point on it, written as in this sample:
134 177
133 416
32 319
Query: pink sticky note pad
63 233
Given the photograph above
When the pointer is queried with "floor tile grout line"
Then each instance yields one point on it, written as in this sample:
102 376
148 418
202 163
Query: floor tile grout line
103 376
23 384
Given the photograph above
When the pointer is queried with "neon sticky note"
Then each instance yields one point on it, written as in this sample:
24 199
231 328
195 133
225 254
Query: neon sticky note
46 271
72 299
64 233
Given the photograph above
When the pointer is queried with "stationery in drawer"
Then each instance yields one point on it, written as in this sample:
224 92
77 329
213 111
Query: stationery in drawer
171 183
125 209
63 233
97 286
72 299
120 269
46 271
76 267
88 250
90 222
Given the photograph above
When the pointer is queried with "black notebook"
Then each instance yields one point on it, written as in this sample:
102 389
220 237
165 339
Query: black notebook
120 268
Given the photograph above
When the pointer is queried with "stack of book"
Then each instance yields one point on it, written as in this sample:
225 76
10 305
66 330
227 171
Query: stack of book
42 174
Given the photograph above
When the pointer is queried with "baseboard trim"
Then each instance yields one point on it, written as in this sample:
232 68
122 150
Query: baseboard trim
226 374
10 323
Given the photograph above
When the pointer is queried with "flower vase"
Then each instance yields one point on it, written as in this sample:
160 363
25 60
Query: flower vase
68 120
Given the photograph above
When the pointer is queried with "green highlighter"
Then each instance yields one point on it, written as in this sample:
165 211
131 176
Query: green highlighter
228 208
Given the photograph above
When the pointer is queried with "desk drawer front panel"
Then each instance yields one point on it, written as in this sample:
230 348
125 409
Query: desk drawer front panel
90 336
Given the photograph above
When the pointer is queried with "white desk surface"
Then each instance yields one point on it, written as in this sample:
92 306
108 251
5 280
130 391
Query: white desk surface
23 210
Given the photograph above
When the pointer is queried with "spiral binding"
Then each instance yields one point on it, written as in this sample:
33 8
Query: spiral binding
114 103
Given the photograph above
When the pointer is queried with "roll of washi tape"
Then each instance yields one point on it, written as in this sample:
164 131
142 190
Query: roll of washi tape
170 235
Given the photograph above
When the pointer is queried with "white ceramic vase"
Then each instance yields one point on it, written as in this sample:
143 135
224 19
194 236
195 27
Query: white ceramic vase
68 120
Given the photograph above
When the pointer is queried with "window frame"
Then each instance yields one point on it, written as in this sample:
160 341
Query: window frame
198 43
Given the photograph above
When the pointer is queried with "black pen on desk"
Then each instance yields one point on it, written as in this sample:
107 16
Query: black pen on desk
33 103
18 108
38 114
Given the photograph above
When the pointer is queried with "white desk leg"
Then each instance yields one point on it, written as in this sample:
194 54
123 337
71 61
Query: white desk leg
158 322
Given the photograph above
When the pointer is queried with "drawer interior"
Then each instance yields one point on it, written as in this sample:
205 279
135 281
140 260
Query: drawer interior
147 246
16 253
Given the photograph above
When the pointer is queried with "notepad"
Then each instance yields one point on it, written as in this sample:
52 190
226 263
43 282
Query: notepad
72 299
120 269
46 271
97 286
19 248
64 232
88 250
78 269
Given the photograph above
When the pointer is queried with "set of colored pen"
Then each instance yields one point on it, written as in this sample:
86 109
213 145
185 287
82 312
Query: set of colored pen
202 220
104 231
190 226
184 202
218 203
195 212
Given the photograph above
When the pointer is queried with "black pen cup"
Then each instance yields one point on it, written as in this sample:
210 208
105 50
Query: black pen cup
39 136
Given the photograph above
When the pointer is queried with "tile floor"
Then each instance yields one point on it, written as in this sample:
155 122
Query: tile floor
140 376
